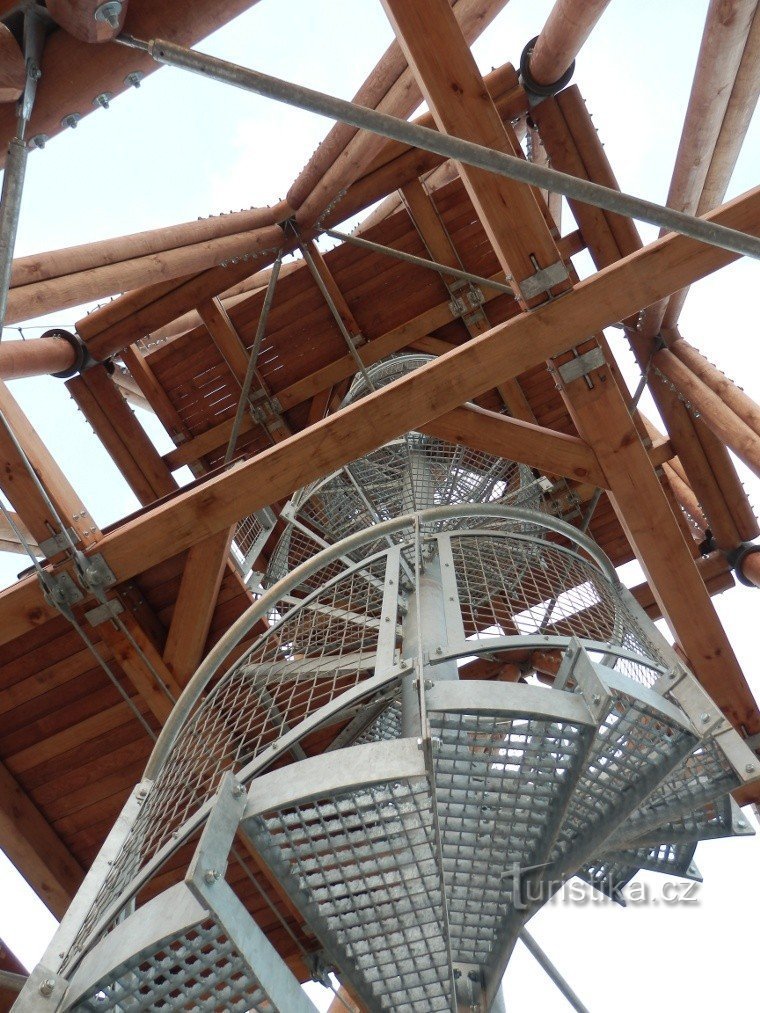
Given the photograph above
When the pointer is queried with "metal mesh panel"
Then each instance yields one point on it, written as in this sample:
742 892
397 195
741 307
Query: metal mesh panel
364 864
320 645
498 784
518 585
198 970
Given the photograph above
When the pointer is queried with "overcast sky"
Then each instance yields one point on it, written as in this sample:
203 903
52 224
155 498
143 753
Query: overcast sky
182 147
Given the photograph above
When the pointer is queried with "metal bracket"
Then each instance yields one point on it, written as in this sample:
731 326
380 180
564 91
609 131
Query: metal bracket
60 591
104 612
95 574
543 280
57 543
582 365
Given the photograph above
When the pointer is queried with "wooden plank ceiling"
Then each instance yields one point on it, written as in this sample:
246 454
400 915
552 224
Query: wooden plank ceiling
71 743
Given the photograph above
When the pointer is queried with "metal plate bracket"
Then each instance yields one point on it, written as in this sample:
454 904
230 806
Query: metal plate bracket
104 612
582 365
543 280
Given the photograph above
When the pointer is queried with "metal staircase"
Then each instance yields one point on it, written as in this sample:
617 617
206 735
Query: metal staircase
444 809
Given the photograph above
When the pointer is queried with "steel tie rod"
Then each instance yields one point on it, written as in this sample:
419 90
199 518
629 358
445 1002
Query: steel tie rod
446 145
538 954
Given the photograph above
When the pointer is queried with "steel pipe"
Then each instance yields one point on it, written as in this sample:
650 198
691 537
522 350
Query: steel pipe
10 209
566 30
446 146
540 957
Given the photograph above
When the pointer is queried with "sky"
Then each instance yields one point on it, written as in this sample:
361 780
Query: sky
181 147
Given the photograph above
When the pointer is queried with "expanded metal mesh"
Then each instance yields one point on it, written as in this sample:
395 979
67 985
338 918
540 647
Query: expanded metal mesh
320 645
198 970
366 860
525 585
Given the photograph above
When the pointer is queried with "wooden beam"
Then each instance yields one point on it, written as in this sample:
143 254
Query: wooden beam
328 279
35 849
194 608
19 486
427 221
440 386
549 451
114 422
642 508
235 354
506 350
75 72
461 105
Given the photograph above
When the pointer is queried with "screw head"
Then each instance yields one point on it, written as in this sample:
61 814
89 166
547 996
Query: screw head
71 120
439 650
596 699
211 876
704 718
134 79
39 141
103 99
750 768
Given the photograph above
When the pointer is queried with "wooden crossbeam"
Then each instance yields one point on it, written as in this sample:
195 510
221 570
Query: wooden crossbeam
461 105
595 400
506 350
549 451
34 847
433 233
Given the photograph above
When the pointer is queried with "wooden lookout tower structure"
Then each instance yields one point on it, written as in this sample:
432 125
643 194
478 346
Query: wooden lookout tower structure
360 683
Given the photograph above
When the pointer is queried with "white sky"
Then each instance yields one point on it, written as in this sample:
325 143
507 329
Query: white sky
181 147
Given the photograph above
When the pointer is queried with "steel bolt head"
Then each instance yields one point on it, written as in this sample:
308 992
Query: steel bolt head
704 718
47 986
750 768
211 876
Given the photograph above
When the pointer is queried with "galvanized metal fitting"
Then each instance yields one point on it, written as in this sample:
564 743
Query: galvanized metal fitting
81 354
71 120
735 559
110 13
529 83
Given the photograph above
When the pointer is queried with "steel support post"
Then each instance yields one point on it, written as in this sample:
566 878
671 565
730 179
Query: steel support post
446 146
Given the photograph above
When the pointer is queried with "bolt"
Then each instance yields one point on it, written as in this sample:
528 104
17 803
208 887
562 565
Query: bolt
387 619
238 790
211 876
103 100
71 120
741 824
47 986
110 13
704 718
39 141
750 768
133 80
428 683
439 650
596 699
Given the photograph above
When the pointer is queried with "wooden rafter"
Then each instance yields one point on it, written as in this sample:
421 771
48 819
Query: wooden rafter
506 350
